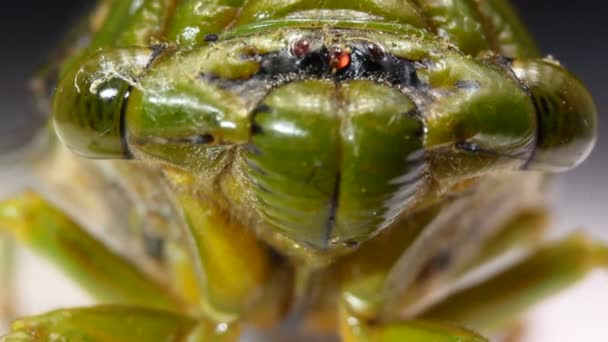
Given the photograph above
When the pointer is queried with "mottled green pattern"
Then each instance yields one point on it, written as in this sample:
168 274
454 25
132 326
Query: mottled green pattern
458 21
194 19
472 25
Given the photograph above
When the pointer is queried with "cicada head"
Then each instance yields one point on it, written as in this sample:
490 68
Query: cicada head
337 133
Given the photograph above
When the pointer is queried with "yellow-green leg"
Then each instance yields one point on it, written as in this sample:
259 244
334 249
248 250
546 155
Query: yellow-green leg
364 277
524 231
116 324
238 278
147 310
234 267
498 301
493 304
353 329
109 278
234 270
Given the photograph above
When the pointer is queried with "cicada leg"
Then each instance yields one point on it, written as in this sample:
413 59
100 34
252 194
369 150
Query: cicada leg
492 305
108 277
494 302
525 231
114 323
233 267
353 329
366 277
418 259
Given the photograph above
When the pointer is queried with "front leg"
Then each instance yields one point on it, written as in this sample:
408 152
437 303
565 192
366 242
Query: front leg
108 277
353 329
235 268
496 302
117 324
237 276
410 264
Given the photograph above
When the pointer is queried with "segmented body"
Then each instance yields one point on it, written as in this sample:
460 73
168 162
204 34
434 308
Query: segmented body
365 150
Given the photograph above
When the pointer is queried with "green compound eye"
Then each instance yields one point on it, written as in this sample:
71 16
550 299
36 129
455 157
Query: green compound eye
567 116
89 102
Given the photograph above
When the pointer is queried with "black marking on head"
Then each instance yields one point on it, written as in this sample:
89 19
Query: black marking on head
315 63
366 60
334 203
370 61
157 50
467 85
276 64
261 108
542 108
256 128
211 37
123 126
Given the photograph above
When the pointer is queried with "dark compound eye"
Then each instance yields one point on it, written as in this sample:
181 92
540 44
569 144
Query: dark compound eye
301 47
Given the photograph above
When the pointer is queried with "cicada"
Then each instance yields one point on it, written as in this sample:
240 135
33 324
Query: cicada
341 169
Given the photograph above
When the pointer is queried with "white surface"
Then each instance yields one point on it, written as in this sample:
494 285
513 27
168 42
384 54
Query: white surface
42 287
579 314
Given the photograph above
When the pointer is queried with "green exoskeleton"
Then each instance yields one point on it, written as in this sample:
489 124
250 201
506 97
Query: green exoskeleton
334 168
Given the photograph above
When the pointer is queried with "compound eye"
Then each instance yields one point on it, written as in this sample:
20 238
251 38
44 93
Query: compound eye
89 100
566 115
